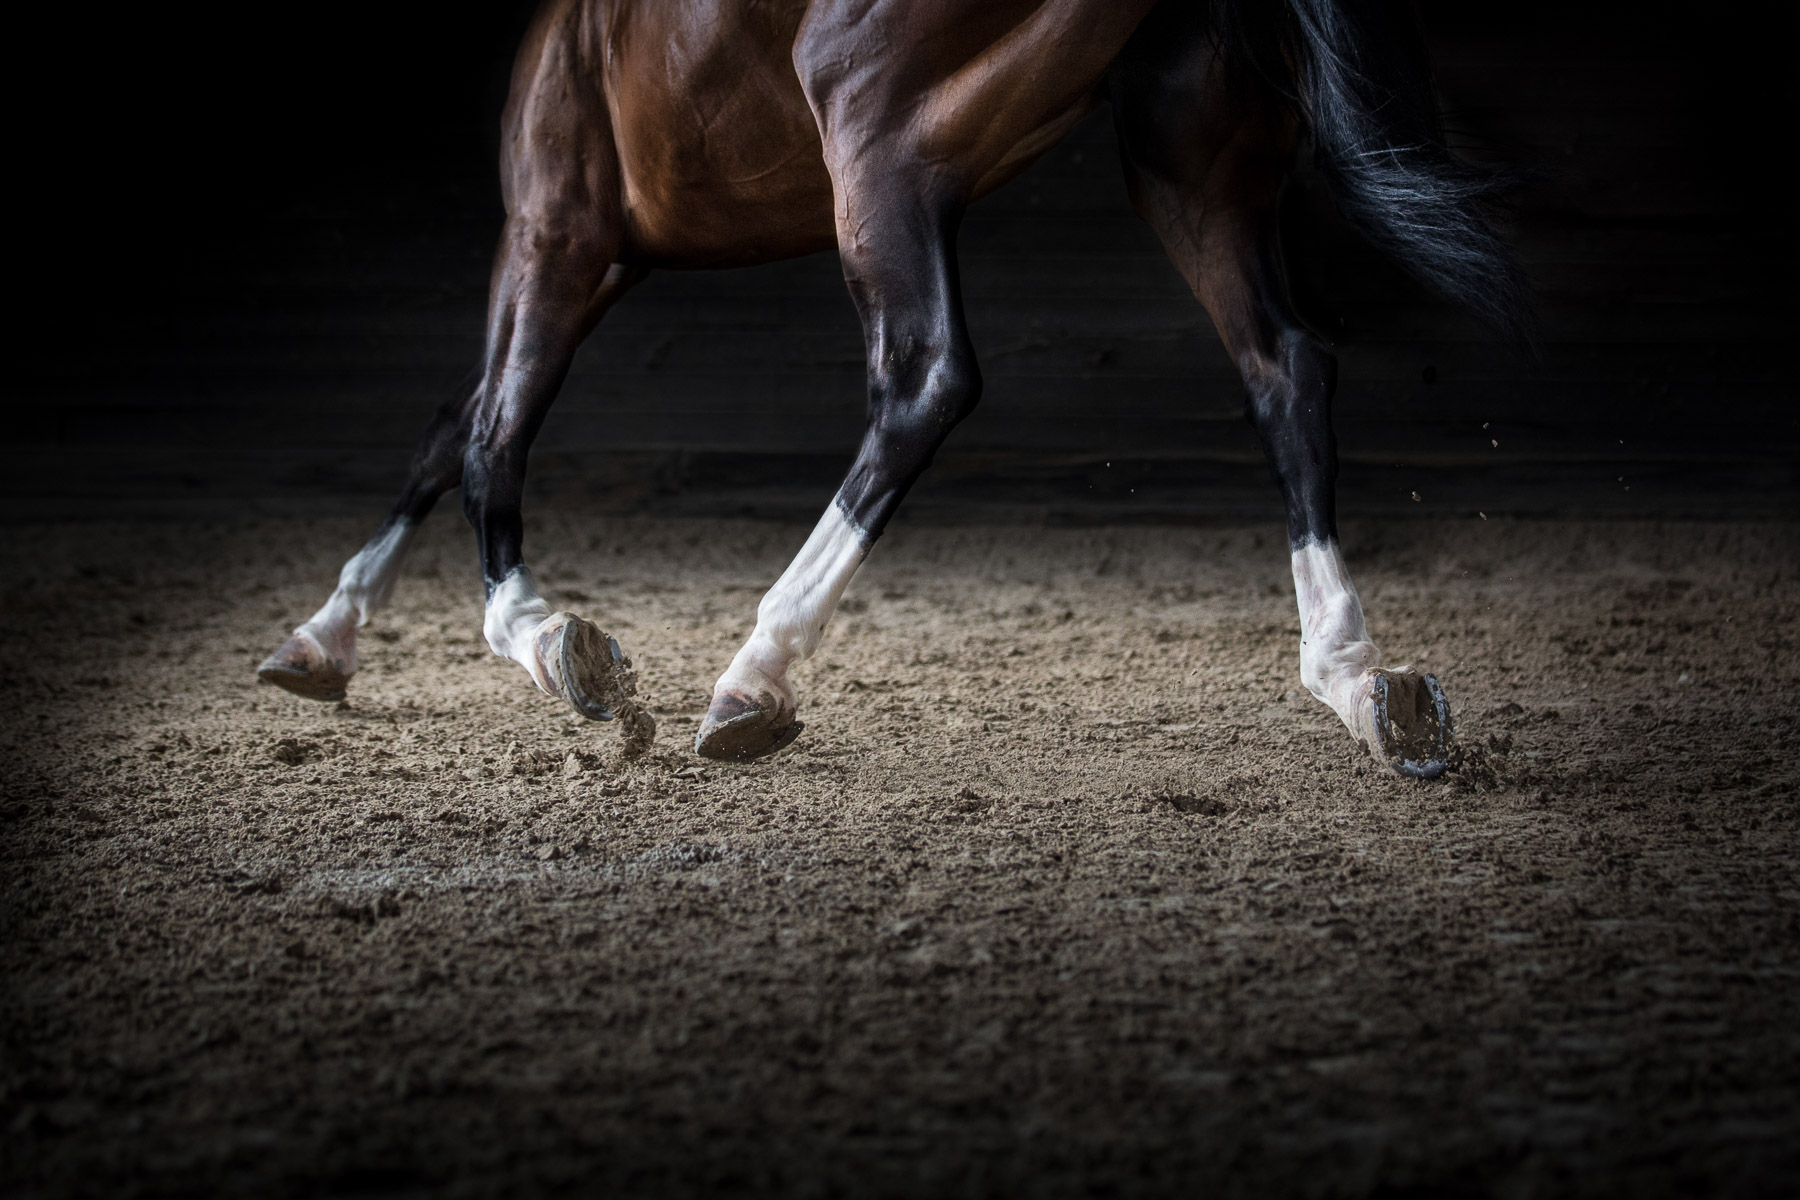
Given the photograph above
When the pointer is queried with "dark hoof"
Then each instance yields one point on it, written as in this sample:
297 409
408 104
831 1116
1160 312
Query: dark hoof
737 730
1411 723
302 667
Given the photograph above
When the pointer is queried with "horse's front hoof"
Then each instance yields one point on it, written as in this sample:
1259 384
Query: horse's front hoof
1406 723
736 729
586 669
302 667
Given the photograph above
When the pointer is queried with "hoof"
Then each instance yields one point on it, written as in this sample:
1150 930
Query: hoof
736 729
586 669
1407 723
303 668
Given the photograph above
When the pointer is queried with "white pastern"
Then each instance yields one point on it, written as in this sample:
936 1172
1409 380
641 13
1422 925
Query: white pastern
1336 654
792 617
363 586
514 612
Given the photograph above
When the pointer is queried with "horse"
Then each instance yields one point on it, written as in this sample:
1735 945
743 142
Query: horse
645 134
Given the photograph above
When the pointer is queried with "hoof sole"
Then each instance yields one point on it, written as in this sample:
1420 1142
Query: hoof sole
747 735
590 667
593 676
1412 724
302 668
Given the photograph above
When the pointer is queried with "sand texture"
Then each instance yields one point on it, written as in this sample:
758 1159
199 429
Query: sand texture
1068 888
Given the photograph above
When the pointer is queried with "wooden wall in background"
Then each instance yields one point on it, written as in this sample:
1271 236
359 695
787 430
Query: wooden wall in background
270 338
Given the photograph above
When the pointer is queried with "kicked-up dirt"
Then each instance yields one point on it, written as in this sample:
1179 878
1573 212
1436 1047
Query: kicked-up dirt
1067 889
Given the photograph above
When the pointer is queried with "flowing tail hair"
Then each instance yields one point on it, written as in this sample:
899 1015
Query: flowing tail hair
1357 74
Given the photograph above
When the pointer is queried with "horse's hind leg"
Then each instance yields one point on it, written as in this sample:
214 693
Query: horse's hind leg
318 660
1205 160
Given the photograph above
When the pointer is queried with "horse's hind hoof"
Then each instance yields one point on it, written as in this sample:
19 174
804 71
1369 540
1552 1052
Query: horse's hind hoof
1408 723
587 670
302 667
737 730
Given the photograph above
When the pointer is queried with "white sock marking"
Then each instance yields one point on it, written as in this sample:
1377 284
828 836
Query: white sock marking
514 612
791 619
363 586
1335 651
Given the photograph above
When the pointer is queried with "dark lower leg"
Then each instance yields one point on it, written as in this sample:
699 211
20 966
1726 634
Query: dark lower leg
1289 405
1400 714
922 373
542 314
1212 195
437 462
505 425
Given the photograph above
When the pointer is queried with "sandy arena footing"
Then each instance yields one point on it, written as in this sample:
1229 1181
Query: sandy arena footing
1067 888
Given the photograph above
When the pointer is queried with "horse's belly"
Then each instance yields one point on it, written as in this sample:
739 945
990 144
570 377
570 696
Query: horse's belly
1036 144
675 221
719 154
719 151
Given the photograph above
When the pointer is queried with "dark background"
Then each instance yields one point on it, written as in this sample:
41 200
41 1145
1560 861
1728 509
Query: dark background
252 247
249 252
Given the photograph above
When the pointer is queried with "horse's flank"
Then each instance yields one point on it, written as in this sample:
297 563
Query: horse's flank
693 123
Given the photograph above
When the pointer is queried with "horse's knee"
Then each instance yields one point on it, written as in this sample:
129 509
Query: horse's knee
1290 384
477 485
920 394
492 468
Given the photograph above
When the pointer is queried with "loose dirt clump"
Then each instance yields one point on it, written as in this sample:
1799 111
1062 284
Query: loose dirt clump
1068 888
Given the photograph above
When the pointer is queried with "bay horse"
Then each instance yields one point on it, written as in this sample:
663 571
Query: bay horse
713 133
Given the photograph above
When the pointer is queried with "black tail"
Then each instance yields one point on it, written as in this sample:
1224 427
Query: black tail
1357 72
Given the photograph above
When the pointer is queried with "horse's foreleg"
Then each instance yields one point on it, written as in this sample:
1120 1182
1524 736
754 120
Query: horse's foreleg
318 660
899 263
1207 179
549 292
